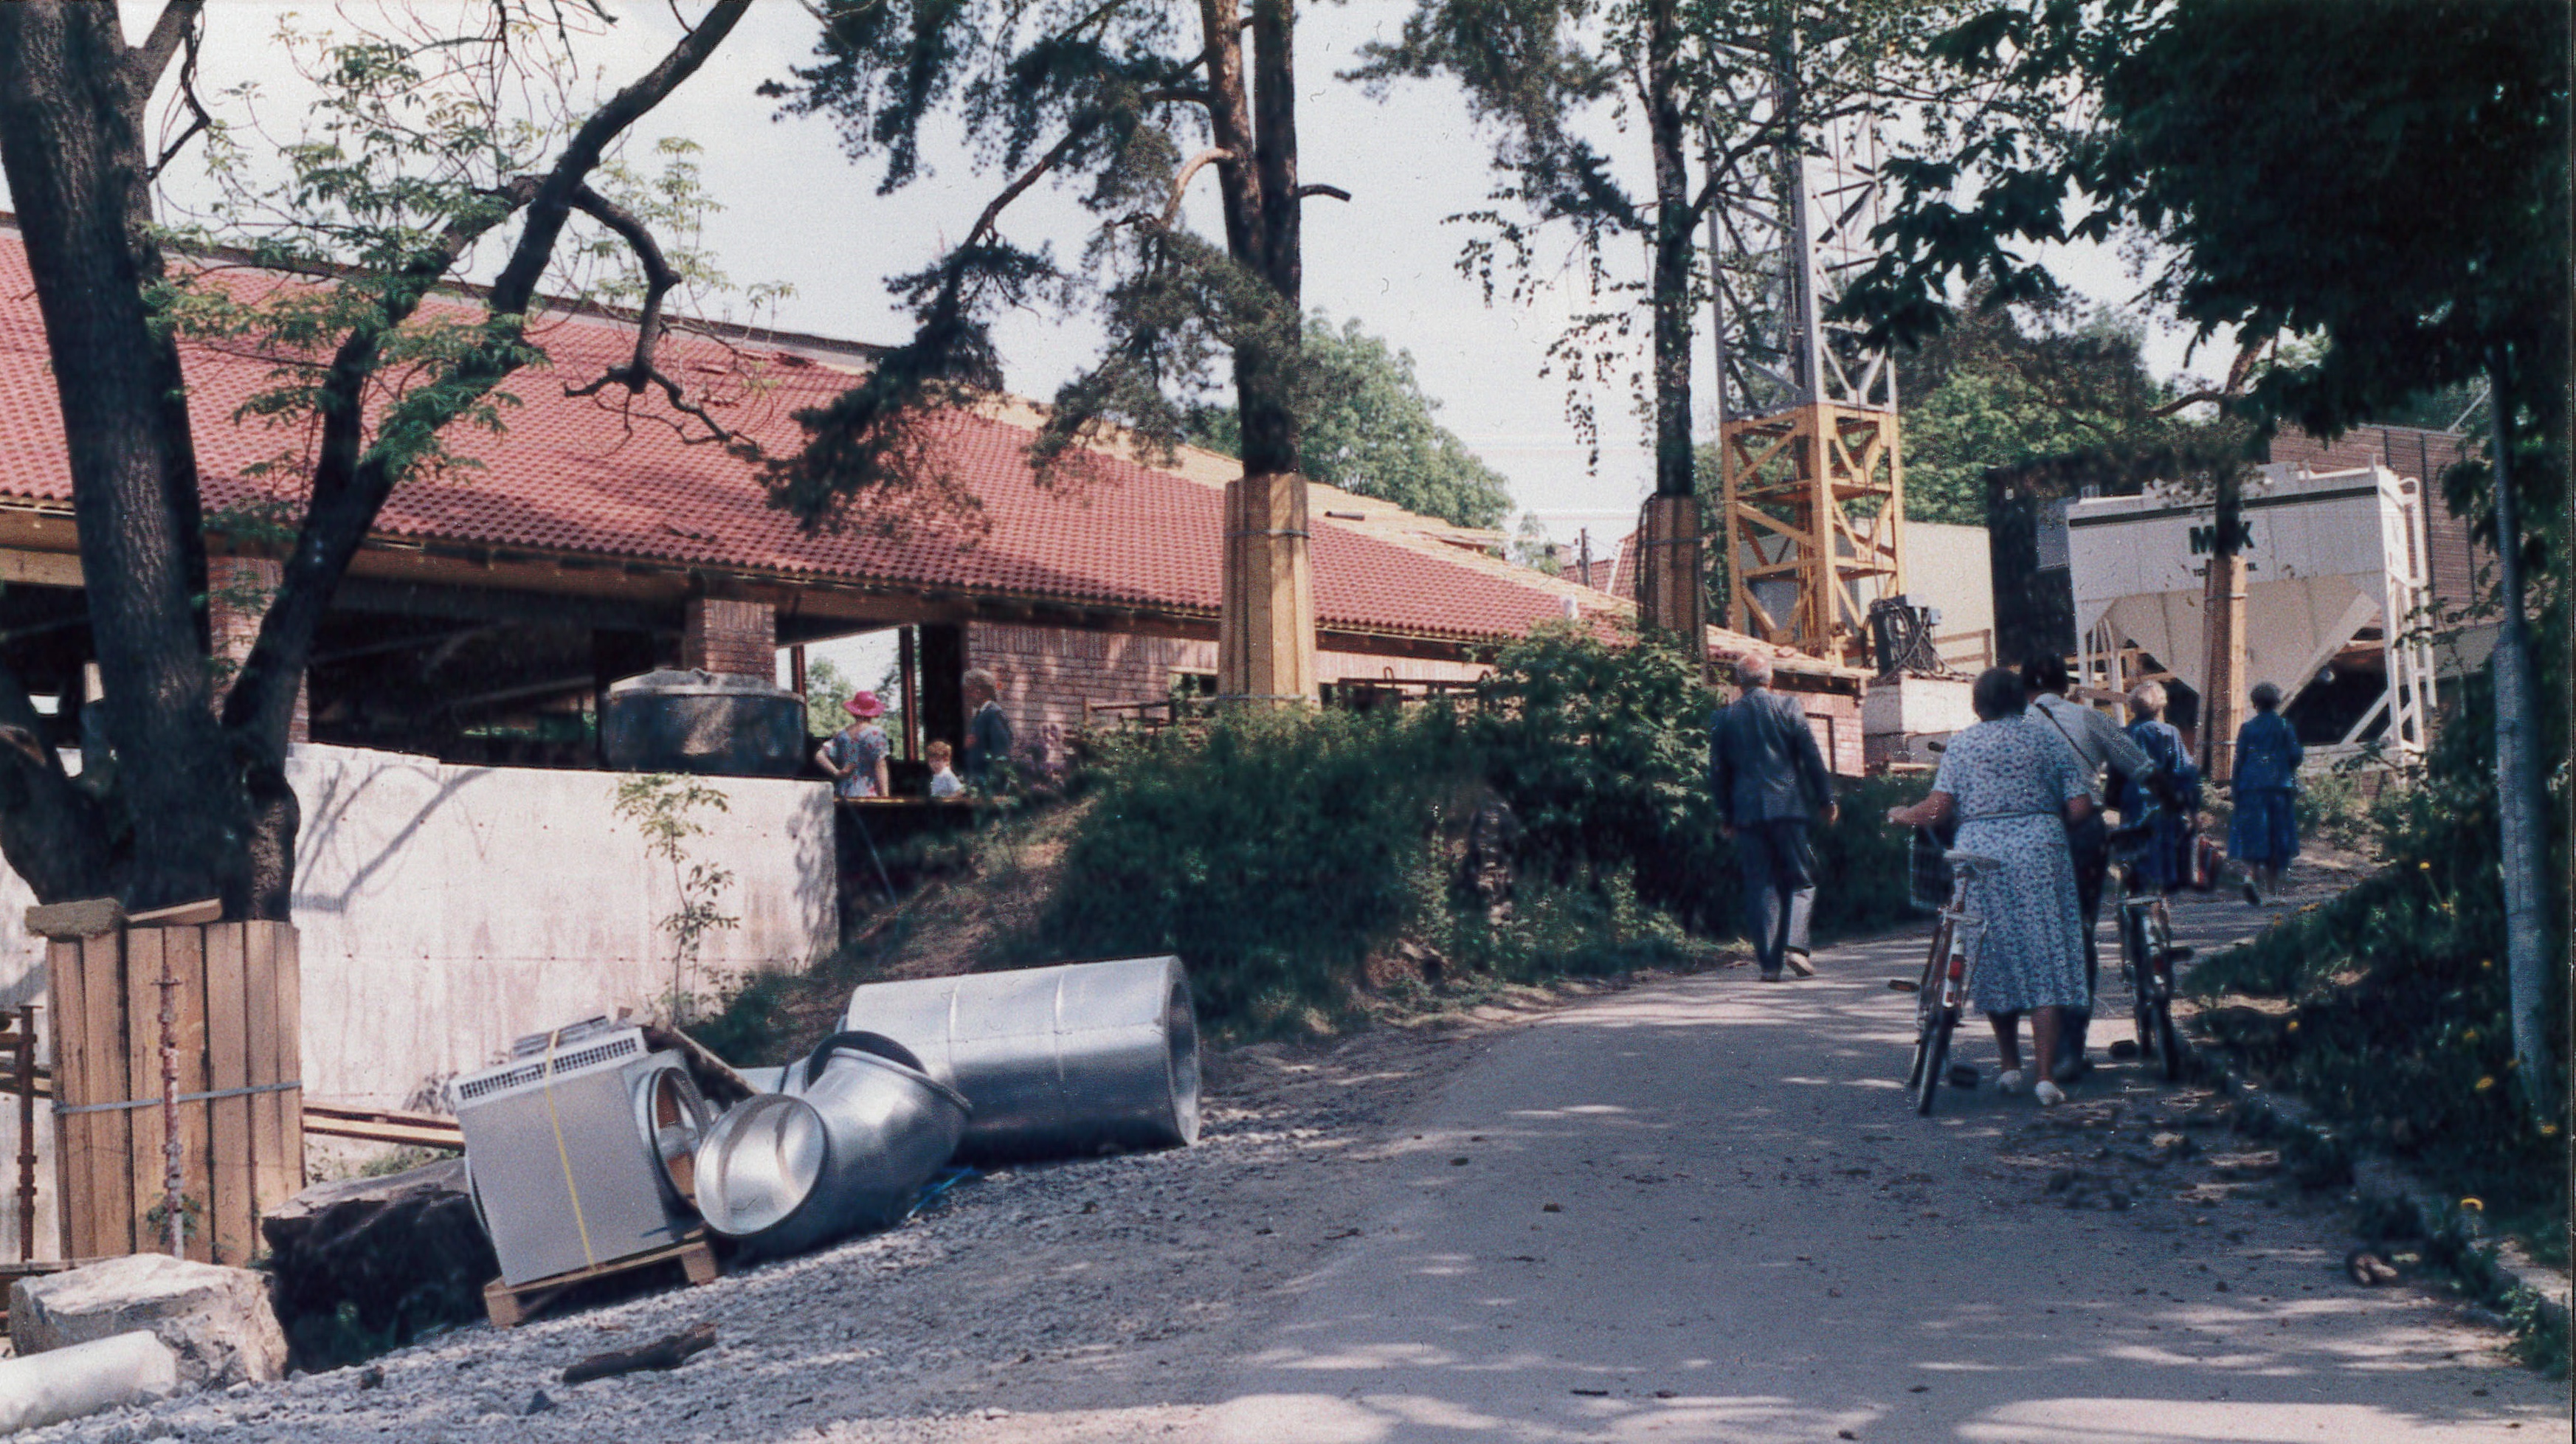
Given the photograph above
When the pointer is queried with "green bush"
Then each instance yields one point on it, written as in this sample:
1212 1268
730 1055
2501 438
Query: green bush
1272 850
1277 852
2399 1030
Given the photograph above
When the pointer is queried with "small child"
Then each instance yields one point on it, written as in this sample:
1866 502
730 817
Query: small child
943 783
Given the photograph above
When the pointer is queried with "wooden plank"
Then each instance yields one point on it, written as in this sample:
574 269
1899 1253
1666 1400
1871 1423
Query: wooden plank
143 1080
401 1134
71 1134
185 949
259 1010
180 915
289 992
111 1186
236 1236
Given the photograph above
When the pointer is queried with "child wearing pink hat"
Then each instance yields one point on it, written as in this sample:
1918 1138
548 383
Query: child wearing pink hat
856 755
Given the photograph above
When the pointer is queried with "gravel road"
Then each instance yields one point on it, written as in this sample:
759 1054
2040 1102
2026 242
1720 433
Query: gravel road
1686 1208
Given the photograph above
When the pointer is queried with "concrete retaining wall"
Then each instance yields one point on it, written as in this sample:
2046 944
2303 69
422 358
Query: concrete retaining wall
445 910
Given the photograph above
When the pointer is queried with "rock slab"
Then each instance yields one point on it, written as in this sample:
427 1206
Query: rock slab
216 1319
368 1263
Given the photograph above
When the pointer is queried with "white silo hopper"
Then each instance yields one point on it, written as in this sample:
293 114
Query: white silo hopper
2326 556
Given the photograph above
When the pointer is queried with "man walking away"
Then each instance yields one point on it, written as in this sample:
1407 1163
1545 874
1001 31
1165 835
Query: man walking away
1769 782
2097 742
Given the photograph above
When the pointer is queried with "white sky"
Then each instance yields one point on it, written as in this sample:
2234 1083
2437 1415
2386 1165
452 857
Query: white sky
796 211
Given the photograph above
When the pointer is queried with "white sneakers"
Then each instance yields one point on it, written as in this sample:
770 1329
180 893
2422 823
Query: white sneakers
2018 1082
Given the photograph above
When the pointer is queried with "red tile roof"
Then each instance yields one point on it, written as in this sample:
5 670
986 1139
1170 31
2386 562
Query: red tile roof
578 476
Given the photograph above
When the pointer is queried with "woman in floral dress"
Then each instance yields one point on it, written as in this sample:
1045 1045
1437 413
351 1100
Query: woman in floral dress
2012 786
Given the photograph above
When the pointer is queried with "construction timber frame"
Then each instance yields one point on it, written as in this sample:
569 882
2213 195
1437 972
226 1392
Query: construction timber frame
1813 486
1814 497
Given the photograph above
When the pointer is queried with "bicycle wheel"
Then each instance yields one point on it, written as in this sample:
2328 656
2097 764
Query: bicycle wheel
2133 962
1932 1054
1927 1000
2158 927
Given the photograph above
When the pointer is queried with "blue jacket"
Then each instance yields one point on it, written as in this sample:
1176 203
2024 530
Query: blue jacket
2267 754
1763 765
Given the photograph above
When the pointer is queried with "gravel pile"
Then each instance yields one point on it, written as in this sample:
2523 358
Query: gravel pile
1092 1284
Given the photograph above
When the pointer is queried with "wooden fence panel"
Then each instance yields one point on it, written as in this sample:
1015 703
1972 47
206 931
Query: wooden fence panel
235 1232
235 996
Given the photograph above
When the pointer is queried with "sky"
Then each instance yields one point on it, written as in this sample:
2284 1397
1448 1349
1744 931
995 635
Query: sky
796 212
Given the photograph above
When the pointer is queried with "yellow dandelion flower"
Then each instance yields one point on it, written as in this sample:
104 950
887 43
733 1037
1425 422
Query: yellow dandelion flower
2294 1026
2470 1036
2486 1083
2425 866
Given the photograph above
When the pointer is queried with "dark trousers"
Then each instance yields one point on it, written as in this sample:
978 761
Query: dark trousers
2088 844
1779 887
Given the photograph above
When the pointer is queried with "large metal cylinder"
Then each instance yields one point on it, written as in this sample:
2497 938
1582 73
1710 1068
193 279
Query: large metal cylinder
847 1147
1078 1059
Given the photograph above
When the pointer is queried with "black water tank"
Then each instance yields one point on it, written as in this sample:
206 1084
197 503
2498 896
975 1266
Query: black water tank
703 722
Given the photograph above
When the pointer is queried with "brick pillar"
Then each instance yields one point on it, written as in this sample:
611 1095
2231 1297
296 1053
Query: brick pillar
740 638
238 591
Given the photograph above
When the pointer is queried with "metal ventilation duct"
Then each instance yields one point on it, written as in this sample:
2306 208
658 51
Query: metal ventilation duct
1058 1061
847 1147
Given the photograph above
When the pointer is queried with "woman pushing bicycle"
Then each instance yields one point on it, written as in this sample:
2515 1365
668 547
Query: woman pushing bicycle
2012 787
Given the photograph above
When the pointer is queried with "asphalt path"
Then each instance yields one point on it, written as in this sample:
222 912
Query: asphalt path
1701 1209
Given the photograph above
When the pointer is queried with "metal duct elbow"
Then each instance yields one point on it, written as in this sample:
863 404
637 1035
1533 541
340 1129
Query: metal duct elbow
1064 1061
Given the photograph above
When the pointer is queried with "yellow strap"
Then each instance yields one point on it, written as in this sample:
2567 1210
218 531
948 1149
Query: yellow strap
564 1155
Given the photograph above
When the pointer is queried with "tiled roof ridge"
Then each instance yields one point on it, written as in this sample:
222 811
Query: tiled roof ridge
569 307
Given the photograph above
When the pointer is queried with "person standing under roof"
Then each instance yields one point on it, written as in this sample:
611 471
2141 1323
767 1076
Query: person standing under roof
2265 833
1770 783
988 732
856 755
2096 742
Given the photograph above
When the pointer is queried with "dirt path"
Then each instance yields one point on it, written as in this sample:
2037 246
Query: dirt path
1750 1240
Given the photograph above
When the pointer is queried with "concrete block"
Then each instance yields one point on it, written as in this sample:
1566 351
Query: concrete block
217 1320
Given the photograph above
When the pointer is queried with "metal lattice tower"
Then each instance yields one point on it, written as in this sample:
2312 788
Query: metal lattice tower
1813 490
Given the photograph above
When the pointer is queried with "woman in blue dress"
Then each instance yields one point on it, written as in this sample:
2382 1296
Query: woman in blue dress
2265 834
2012 785
2165 861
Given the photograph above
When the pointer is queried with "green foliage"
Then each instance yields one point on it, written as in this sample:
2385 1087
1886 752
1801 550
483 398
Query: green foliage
1273 851
1368 427
2386 176
2399 1030
827 694
1602 752
665 810
1278 852
1991 391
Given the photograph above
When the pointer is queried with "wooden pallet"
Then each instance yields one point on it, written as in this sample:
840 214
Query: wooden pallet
509 1305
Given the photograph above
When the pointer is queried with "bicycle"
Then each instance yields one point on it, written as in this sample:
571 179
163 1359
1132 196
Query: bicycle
2148 952
1949 966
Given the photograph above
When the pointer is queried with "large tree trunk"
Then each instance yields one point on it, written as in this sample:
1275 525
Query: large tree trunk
1671 586
1266 623
2524 829
71 143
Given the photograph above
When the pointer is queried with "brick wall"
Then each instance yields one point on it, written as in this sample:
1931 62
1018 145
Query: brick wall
238 591
1836 721
1047 673
737 638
